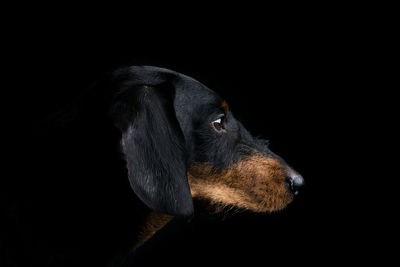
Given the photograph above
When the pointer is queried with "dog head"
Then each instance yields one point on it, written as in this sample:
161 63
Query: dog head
181 141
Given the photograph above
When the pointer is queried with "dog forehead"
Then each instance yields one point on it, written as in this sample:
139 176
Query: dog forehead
191 97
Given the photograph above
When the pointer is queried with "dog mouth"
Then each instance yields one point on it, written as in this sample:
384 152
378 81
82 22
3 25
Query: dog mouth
257 184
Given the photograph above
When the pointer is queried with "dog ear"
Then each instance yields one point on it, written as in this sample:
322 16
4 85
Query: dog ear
154 147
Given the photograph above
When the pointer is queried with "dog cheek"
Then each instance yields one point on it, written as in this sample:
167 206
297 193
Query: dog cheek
280 197
271 190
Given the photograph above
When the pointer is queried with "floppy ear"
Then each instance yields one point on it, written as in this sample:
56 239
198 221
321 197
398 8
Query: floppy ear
154 147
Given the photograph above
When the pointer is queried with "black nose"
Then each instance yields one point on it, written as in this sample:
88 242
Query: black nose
294 182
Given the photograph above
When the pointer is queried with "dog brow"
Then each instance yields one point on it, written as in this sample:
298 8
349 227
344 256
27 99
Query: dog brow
225 106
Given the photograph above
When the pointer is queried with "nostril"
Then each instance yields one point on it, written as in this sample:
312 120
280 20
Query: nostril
289 183
294 183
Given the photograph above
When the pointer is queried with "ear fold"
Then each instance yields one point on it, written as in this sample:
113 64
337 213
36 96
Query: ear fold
154 147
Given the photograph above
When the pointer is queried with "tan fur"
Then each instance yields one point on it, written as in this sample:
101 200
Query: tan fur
225 106
153 222
256 183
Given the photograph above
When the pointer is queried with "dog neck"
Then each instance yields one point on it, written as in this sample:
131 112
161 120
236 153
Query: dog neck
152 223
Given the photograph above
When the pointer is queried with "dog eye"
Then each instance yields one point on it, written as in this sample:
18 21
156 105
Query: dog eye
218 124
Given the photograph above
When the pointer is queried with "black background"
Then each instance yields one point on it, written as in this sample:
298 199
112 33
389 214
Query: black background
293 81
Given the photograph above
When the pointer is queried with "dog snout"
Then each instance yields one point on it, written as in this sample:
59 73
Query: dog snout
294 182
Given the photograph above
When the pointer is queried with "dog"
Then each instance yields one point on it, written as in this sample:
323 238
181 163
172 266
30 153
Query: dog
171 139
181 143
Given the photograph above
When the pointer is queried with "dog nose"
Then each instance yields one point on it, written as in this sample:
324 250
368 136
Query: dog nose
295 181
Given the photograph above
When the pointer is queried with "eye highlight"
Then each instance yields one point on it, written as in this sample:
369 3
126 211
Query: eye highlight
219 124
